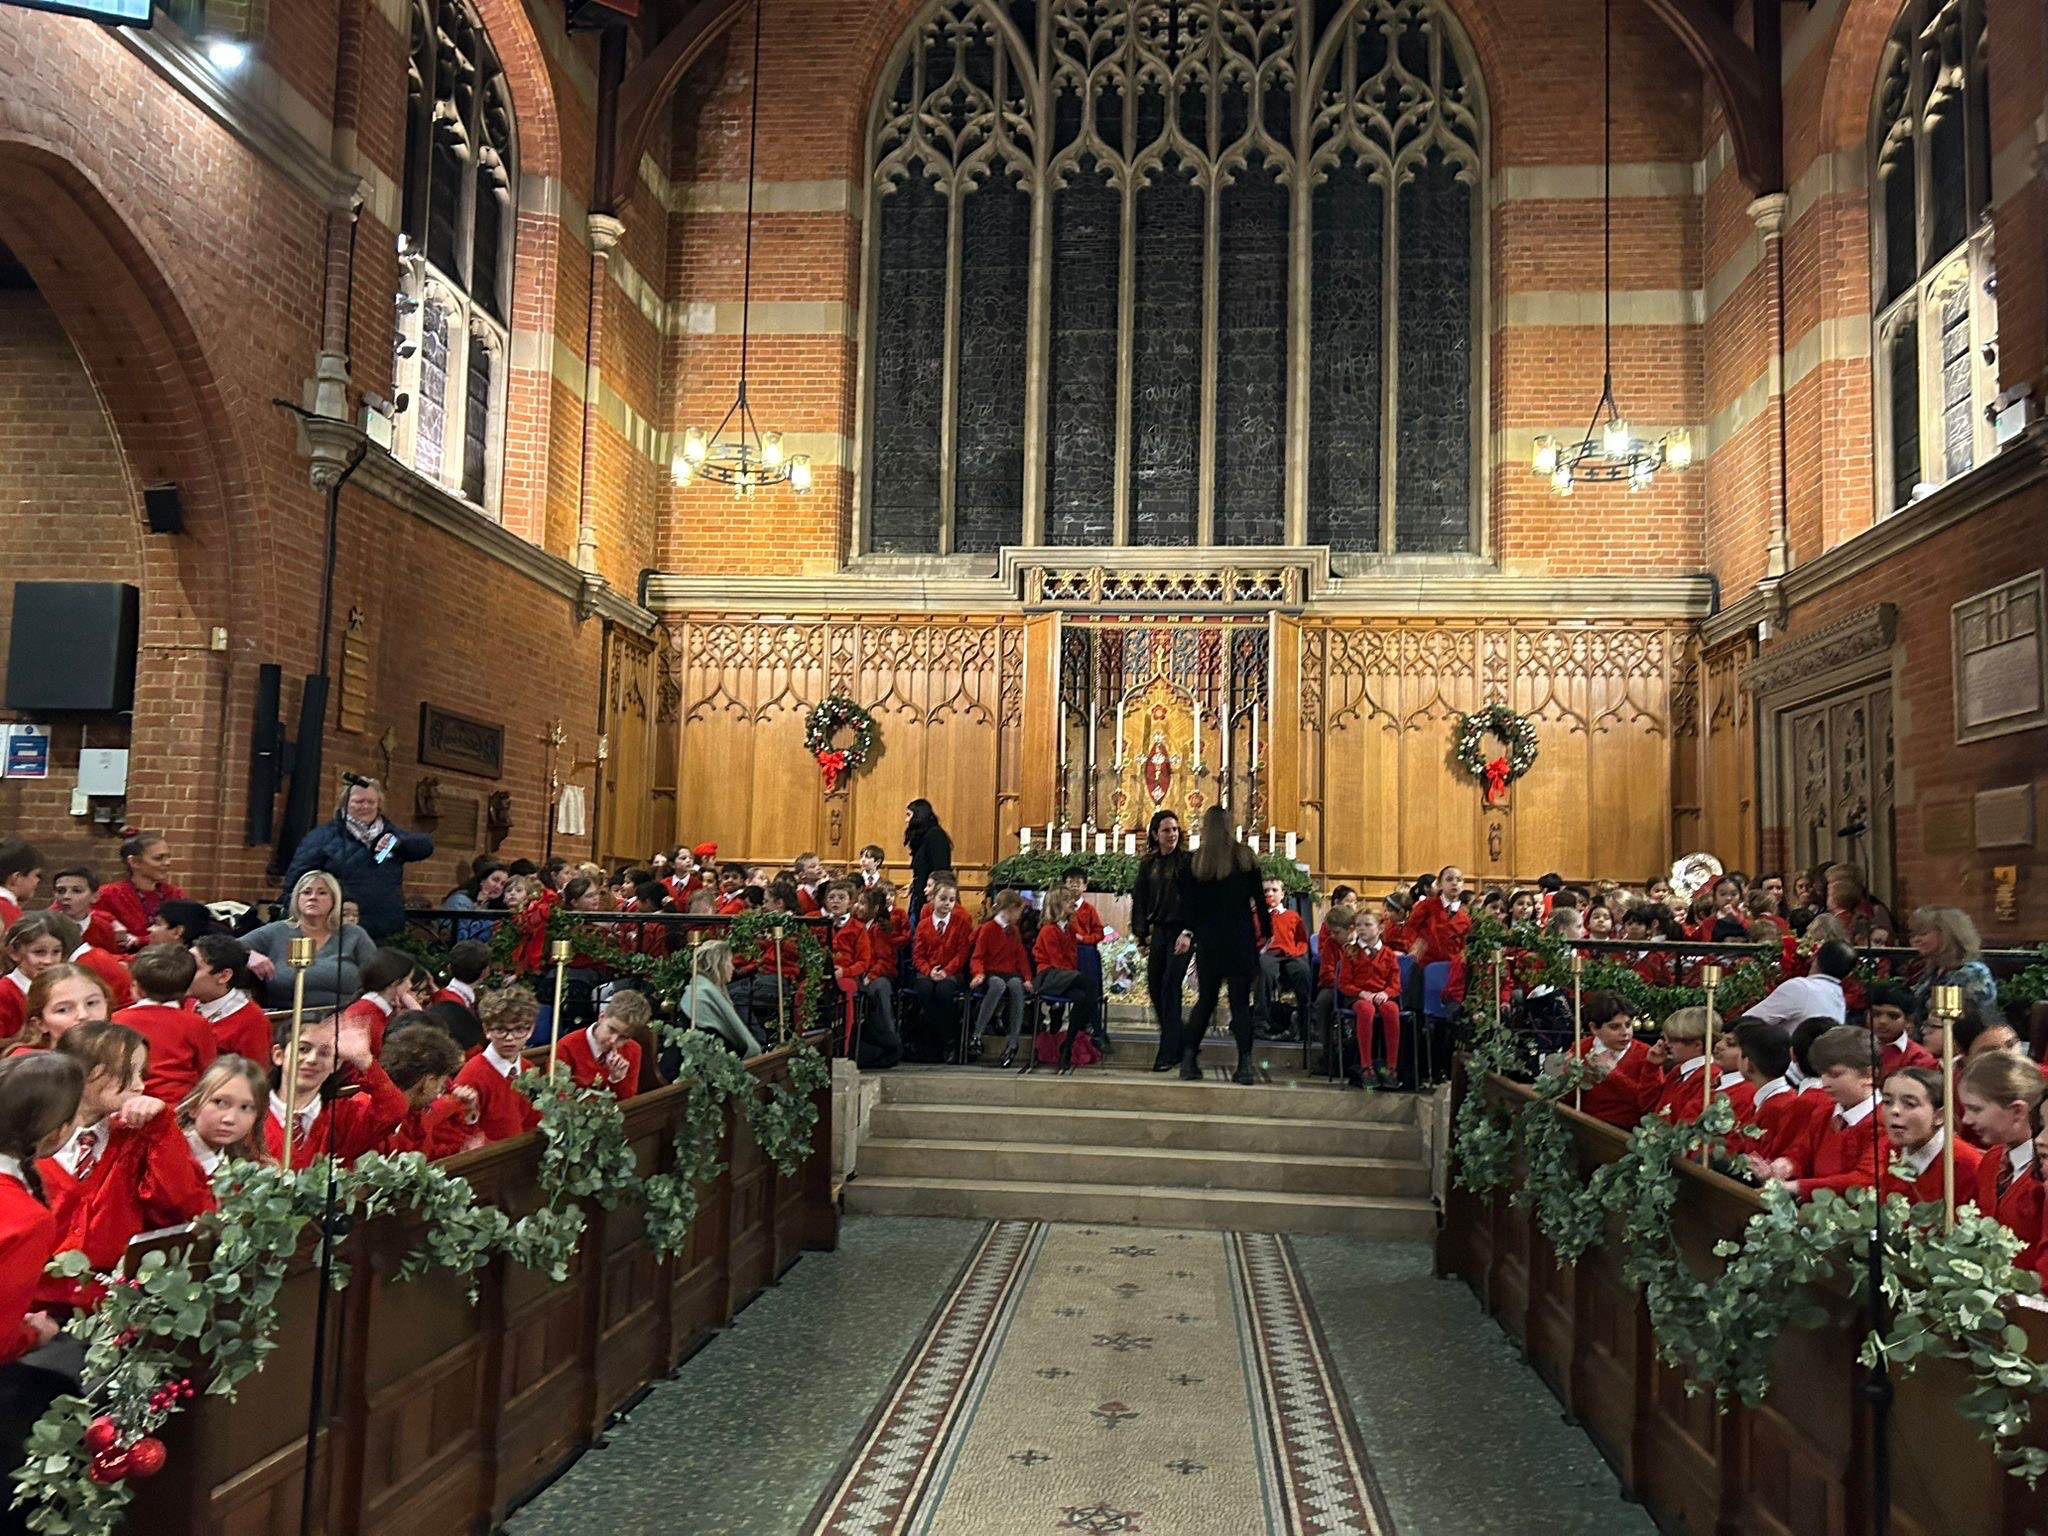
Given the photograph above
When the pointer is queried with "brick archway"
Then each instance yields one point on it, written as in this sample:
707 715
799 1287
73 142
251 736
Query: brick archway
172 422
1854 51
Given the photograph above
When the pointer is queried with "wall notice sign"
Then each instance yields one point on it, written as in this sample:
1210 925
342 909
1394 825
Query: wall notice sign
28 752
128 13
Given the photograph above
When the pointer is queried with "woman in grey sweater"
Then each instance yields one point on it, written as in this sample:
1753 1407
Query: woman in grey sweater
334 980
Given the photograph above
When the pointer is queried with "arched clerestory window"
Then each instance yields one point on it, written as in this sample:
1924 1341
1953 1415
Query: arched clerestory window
1147 272
1934 344
455 254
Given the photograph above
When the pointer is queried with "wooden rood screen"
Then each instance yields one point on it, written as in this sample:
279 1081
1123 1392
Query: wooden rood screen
438 1415
1797 1464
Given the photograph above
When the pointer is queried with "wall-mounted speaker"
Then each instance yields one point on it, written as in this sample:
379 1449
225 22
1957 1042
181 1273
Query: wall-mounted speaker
166 511
72 647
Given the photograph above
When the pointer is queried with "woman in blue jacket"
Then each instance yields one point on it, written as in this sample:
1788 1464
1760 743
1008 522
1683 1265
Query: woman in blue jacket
367 854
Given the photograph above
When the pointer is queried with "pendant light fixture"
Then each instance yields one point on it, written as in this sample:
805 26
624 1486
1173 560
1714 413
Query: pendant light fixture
1609 451
748 458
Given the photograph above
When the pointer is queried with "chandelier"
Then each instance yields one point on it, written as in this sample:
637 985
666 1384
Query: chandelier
1610 451
748 458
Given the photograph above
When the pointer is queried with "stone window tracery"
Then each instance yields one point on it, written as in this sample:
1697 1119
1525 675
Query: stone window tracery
1936 322
1130 283
455 255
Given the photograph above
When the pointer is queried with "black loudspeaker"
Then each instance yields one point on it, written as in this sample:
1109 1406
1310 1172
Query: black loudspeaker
166 511
265 749
73 647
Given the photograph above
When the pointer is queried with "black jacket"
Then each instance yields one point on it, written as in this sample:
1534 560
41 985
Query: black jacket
1155 898
1228 918
932 853
378 889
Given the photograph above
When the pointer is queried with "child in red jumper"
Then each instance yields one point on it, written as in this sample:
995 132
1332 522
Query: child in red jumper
21 874
366 1105
1618 1062
874 976
1087 922
602 1054
223 1116
1056 954
221 991
1845 1148
1000 963
1912 1124
74 890
1332 940
1283 961
1438 926
1998 1094
60 999
126 1162
387 990
1889 1009
181 1043
440 1118
507 1015
38 1102
1680 1059
939 956
34 943
1369 984
467 962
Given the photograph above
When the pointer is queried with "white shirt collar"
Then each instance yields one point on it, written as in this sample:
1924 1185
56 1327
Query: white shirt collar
66 1156
2020 1155
19 980
502 1066
463 990
229 1002
1687 1068
1731 1081
309 1111
208 1158
72 958
383 1003
1860 1113
11 1166
1922 1158
939 923
1771 1090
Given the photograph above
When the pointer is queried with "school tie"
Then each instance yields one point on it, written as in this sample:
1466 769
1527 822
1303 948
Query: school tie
88 1152
1841 1121
2004 1176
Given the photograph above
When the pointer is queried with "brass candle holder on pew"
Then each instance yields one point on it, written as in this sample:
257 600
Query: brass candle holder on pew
1710 978
299 955
1946 1003
558 952
1578 1028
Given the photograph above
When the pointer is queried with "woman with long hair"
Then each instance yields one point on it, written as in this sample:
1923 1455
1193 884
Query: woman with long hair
1951 954
1223 912
708 1005
1155 925
931 851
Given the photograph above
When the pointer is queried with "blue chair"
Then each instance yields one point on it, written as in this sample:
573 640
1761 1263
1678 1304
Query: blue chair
1435 1015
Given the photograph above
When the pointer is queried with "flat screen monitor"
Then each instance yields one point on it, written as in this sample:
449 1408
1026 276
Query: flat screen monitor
127 13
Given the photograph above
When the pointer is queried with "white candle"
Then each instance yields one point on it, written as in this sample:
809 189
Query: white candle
1102 842
1254 763
1194 841
1238 831
1198 735
1290 845
1119 738
1273 834
1255 842
1066 840
1048 836
1023 839
1131 843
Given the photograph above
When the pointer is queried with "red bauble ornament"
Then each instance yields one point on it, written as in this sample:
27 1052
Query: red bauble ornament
109 1467
146 1457
101 1435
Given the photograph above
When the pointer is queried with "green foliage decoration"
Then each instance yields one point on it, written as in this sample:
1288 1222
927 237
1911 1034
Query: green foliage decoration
1114 874
584 1155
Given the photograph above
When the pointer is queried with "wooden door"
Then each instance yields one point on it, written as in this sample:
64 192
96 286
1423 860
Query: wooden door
1835 766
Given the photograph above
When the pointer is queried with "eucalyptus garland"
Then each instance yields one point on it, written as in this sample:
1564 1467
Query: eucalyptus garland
1115 874
209 1309
1947 1291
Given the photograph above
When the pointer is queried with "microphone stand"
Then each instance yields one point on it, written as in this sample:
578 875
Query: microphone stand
333 1228
1877 1383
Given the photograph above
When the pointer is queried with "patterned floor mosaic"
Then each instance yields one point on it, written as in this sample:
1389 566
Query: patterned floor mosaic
1113 1380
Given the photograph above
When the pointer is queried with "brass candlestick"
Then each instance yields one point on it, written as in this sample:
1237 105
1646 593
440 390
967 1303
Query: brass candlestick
1578 1028
1710 978
1947 1002
781 1023
299 956
558 952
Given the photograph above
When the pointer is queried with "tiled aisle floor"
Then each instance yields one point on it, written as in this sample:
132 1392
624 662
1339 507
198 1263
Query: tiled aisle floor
1465 1439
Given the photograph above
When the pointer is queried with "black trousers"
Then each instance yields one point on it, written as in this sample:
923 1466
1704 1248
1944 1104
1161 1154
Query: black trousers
938 1017
1210 982
1278 972
1083 992
1165 973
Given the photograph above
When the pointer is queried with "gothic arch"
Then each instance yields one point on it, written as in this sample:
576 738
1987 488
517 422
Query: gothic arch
1855 52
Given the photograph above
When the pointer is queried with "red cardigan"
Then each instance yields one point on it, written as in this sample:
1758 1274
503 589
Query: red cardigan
1928 1187
999 951
348 1127
1055 949
2020 1207
364 1011
1833 1157
502 1109
143 1180
949 951
245 1032
13 1007
132 908
583 1063
1087 922
181 1046
1365 970
1289 937
1624 1095
28 1236
850 949
1906 1052
439 1130
119 984
882 946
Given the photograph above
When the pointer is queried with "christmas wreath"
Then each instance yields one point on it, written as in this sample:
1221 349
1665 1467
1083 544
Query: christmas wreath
824 723
1517 733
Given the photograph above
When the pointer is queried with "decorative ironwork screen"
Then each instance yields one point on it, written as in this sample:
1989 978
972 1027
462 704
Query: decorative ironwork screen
1131 284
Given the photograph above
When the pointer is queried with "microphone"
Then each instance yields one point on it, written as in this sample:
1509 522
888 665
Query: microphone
1855 828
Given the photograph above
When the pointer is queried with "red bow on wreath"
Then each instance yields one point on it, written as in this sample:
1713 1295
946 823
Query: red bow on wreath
1496 780
832 763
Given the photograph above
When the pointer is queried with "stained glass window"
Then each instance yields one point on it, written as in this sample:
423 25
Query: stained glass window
1931 258
455 253
1131 364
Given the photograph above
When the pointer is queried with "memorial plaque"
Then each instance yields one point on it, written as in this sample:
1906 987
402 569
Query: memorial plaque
466 746
1945 827
2005 817
1998 640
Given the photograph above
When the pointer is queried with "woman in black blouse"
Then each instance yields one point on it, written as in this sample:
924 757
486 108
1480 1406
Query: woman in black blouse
931 851
1155 924
1223 910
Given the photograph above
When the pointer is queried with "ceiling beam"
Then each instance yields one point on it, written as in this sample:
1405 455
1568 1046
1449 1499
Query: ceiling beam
650 85
1745 77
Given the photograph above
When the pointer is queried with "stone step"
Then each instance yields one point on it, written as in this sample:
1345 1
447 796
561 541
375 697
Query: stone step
1176 1168
1139 1047
1145 1205
1054 1123
1144 1093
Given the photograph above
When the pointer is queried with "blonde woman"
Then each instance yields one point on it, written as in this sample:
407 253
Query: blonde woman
341 950
1951 955
708 1005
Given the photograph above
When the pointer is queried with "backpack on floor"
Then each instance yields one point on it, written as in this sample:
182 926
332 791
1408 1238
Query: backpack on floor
1086 1052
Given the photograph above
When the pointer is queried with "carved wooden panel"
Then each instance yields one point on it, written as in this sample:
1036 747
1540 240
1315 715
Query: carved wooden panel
631 709
1835 762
